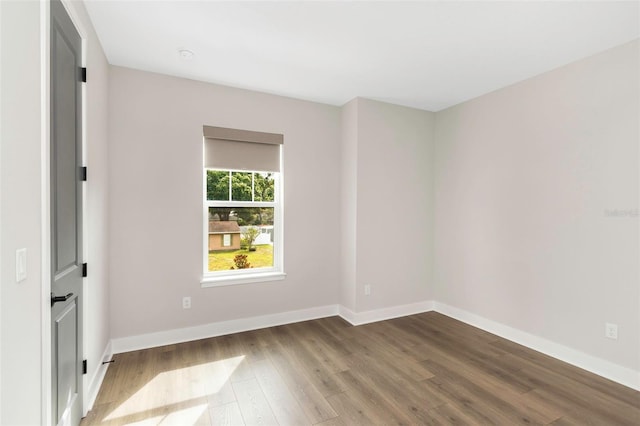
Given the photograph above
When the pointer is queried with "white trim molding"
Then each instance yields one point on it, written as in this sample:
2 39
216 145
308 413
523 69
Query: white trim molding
623 375
45 213
208 281
179 335
366 317
609 370
96 381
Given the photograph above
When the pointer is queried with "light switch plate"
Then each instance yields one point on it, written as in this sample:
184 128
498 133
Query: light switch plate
21 264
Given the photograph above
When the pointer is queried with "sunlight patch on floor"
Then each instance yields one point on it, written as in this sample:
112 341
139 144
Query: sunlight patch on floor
177 386
188 416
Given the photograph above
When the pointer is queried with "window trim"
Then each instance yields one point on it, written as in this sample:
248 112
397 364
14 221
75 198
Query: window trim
237 277
227 280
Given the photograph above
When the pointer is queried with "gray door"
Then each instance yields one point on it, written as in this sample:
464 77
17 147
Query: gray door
66 218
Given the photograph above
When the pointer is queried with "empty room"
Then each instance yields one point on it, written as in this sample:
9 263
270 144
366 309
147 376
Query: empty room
319 212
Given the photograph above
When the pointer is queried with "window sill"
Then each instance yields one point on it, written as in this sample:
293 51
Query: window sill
243 279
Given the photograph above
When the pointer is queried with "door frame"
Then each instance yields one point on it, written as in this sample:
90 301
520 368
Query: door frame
45 213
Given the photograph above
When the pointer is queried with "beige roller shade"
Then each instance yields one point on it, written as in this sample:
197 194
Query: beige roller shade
235 149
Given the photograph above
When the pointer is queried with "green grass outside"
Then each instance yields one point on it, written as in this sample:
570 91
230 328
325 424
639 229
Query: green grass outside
223 260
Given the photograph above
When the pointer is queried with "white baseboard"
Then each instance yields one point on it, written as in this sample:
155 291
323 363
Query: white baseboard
169 337
609 370
366 317
96 380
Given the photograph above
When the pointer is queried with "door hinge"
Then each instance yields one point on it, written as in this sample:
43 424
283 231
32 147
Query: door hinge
84 270
83 174
83 74
84 366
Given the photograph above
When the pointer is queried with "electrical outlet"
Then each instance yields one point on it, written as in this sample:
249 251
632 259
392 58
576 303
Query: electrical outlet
611 331
367 290
186 302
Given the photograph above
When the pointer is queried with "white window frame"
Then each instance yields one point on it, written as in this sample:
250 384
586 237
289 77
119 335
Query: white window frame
252 275
226 240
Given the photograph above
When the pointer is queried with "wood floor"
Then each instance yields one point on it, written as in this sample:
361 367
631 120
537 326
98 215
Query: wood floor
418 370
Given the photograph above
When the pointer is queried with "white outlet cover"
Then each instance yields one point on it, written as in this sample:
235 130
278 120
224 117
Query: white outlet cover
186 302
611 330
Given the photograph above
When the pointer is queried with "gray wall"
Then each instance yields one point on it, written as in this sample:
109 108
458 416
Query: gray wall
349 204
155 158
21 175
20 212
344 174
525 179
393 205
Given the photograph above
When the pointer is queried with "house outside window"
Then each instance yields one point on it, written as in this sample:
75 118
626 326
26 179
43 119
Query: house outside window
242 207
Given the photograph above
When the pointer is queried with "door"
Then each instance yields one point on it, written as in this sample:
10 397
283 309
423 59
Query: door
66 219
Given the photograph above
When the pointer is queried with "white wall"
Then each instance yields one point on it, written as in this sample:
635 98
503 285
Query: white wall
525 178
20 177
22 185
393 215
155 163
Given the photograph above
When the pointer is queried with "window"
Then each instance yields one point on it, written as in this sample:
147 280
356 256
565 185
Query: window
242 207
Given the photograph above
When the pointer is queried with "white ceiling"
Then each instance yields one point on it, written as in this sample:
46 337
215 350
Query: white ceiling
428 55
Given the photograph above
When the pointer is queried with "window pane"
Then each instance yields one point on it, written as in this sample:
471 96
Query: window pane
250 231
263 187
241 186
217 185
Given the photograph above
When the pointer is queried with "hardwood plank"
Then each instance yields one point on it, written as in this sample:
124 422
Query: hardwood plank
360 391
434 335
396 386
564 369
253 344
577 398
465 403
336 421
567 421
403 396
504 378
396 360
300 356
311 400
351 411
217 371
457 329
331 359
253 405
231 349
226 415
223 395
337 327
283 404
582 406
323 331
499 407
449 414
